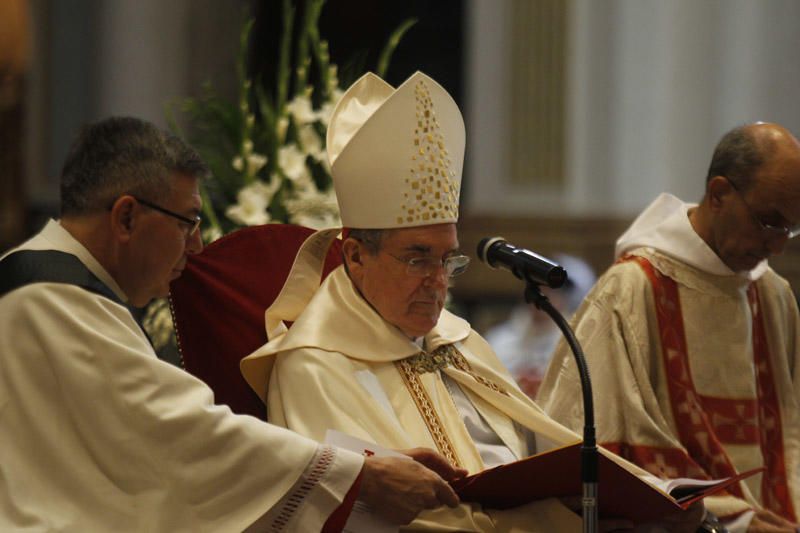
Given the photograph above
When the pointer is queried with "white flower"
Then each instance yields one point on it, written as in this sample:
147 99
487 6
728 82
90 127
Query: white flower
283 125
293 162
211 234
247 146
252 203
333 79
301 109
325 112
313 208
312 144
255 162
327 108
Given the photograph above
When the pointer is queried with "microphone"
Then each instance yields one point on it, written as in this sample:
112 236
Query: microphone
524 264
536 270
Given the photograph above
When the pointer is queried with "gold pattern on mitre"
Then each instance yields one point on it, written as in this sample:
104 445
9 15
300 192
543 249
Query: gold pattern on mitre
396 155
431 194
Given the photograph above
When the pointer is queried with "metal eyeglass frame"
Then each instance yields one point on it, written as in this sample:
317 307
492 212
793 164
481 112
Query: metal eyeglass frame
194 223
789 232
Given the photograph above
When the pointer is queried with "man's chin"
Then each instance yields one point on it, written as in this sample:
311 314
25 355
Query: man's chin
422 325
749 262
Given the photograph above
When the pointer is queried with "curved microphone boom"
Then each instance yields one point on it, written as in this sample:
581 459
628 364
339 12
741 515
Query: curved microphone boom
536 271
524 264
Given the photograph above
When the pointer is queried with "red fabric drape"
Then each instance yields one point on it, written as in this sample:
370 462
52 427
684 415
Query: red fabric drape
218 305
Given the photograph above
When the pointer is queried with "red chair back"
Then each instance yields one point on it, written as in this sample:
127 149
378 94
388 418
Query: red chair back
218 305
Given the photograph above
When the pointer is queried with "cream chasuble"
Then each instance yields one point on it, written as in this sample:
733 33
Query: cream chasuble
100 435
341 366
694 367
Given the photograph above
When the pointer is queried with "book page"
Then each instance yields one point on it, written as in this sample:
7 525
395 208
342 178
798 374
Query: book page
362 519
684 489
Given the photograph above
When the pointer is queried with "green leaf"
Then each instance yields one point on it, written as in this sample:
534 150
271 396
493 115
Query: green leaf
283 57
388 49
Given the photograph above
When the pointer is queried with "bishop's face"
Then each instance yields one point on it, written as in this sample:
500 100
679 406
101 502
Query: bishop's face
410 302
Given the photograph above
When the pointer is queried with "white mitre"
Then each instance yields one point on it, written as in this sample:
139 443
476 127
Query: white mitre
396 155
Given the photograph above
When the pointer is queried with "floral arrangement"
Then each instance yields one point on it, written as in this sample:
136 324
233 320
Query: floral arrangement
266 151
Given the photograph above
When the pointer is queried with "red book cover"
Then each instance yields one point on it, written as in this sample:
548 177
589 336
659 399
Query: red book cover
556 473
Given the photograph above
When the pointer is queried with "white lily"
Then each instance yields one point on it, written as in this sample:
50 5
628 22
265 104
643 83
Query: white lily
301 109
312 144
313 208
252 203
293 162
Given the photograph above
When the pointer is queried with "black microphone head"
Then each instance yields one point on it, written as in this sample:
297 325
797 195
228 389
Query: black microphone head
483 248
557 277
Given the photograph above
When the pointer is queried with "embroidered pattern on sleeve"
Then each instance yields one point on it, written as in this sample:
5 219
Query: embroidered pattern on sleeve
314 473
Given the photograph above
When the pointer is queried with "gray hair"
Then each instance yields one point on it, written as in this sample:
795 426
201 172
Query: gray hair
370 238
123 155
738 156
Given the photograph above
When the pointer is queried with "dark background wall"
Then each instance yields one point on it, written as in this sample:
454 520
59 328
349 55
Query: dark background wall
358 29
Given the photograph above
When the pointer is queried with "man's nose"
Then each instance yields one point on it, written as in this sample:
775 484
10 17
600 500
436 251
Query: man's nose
438 278
194 242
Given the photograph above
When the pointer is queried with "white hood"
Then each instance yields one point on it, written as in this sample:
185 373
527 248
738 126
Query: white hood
664 225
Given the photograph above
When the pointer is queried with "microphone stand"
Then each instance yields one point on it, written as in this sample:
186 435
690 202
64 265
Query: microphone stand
589 452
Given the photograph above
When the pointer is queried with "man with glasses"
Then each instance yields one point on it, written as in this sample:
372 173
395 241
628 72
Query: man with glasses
98 434
372 352
694 341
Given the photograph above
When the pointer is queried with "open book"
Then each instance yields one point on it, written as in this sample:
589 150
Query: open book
685 491
556 473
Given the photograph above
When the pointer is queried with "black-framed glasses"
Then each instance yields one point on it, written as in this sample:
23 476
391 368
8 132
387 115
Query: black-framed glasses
777 230
422 267
191 223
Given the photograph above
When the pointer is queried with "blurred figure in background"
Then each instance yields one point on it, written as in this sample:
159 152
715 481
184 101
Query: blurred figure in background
526 340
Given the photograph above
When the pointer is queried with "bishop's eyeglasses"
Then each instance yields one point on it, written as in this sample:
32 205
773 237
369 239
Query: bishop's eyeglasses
422 267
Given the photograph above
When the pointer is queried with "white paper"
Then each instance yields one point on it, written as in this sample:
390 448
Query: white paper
669 485
362 519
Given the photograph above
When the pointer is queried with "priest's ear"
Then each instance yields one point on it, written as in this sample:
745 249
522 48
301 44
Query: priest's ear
718 189
123 217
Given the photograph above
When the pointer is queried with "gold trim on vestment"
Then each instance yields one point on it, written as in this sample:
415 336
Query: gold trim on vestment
410 369
444 355
413 383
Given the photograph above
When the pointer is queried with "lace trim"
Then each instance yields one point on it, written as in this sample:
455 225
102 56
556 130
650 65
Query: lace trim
322 462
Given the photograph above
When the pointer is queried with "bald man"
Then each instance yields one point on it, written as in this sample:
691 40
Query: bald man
693 340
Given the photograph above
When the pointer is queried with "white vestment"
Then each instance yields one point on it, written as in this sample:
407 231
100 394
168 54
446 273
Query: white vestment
98 434
694 367
341 366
